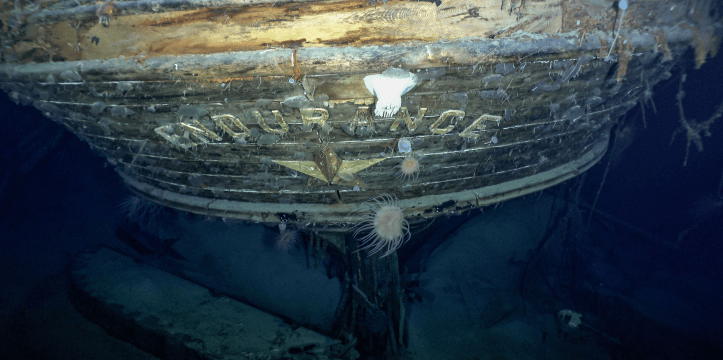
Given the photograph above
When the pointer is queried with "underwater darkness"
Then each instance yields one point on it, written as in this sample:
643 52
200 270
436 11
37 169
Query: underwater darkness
57 197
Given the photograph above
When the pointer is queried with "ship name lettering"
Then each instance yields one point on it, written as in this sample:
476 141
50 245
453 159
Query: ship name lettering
234 127
479 124
403 114
314 116
279 119
454 114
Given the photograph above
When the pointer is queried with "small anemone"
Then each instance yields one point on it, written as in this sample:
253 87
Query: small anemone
383 220
409 168
140 210
287 239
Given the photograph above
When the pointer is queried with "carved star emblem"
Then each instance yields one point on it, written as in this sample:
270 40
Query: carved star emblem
327 166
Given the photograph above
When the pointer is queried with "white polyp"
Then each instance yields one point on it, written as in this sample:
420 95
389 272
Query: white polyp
389 87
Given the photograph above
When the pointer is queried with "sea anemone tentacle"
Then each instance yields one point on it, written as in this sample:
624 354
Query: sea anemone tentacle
382 219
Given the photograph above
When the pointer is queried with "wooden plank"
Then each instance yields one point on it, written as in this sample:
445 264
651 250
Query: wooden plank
207 30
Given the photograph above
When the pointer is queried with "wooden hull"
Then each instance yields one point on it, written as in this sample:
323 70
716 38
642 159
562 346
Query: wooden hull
267 115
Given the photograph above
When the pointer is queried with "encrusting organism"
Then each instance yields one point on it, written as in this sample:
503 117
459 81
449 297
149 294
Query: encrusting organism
690 127
104 12
383 219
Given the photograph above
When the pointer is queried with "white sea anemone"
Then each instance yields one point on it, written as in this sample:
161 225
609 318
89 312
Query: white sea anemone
287 239
384 221
409 169
139 210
